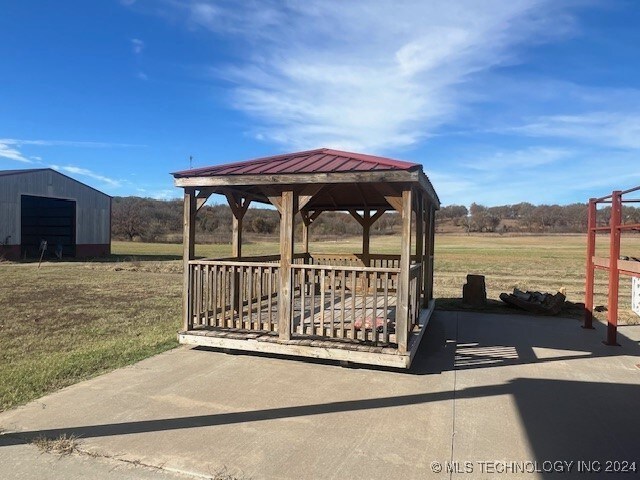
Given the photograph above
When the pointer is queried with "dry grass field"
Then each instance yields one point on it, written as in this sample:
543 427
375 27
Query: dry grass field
69 321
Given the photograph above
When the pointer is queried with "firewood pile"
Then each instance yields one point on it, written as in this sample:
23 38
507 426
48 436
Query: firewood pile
535 302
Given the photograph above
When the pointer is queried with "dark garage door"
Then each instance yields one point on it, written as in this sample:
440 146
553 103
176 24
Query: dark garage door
50 219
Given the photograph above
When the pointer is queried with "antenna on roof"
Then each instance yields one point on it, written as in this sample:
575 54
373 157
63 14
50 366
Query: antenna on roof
190 162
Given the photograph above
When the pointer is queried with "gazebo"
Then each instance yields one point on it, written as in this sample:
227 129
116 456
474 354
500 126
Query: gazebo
365 307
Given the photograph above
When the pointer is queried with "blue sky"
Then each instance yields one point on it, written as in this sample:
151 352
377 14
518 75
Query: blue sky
501 101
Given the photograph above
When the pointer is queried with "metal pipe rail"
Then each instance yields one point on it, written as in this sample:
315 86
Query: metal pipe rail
612 264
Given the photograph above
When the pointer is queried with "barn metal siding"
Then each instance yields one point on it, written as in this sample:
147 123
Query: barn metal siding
93 208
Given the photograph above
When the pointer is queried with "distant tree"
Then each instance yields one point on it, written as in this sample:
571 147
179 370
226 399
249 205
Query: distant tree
481 219
452 212
475 209
128 219
262 225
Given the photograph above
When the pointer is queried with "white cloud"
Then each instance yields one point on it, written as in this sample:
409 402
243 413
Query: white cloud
11 148
165 194
87 173
8 150
520 160
619 129
137 46
569 176
65 143
370 75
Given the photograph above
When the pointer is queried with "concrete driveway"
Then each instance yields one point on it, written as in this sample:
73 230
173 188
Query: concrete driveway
489 396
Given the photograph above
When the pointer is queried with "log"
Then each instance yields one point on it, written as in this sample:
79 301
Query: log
535 302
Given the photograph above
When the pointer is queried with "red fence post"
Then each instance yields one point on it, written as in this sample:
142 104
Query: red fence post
591 250
614 274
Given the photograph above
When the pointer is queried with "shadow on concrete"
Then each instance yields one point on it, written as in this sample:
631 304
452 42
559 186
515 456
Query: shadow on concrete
144 426
564 420
489 341
589 422
497 340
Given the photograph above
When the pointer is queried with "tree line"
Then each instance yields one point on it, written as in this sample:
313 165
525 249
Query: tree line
135 218
526 217
146 219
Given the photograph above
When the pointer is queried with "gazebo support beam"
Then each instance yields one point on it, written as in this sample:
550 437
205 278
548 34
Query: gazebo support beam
402 318
366 238
305 235
188 252
366 221
307 194
307 219
288 208
428 276
420 240
238 207
202 196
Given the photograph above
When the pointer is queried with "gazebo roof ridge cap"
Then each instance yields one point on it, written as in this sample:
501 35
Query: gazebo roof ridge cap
377 163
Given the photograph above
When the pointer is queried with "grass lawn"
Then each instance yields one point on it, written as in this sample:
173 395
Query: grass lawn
69 321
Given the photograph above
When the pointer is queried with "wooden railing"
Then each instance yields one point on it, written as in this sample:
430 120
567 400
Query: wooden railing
241 295
377 260
345 302
275 259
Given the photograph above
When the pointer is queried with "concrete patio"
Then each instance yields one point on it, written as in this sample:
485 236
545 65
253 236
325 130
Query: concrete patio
485 392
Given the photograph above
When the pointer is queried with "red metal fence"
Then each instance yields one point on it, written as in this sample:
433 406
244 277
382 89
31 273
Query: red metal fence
613 264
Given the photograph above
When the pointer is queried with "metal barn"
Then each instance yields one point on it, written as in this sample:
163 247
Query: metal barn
364 307
44 205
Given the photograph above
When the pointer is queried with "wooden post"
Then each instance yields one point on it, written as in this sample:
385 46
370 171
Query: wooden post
285 297
238 209
305 235
420 229
426 261
188 246
236 237
366 221
432 242
307 219
402 317
366 238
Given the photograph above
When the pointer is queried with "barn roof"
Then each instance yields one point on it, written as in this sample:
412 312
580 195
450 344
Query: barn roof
4 173
321 160
24 171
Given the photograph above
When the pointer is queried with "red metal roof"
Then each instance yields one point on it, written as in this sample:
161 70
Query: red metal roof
322 160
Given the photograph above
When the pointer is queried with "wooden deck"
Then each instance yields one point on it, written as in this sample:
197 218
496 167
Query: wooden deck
345 349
